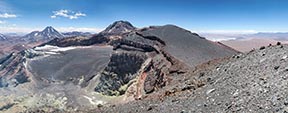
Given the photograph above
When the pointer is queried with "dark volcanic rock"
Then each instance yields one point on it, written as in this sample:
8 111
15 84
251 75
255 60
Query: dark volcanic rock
163 49
71 65
121 69
78 41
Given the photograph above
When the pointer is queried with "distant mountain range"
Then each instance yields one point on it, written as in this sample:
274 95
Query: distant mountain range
48 33
15 42
76 33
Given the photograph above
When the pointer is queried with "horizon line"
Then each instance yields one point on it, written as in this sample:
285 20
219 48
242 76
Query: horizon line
23 30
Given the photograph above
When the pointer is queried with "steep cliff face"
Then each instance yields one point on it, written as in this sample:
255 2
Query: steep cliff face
13 70
122 68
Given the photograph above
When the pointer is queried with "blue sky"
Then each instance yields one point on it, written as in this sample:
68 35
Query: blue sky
195 15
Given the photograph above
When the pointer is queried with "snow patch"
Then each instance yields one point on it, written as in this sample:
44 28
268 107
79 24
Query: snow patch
220 39
284 57
63 49
53 48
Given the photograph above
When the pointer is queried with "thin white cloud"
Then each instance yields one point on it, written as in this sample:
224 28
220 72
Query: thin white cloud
67 14
7 15
2 22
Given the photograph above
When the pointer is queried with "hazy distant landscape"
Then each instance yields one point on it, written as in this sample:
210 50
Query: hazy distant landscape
247 42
